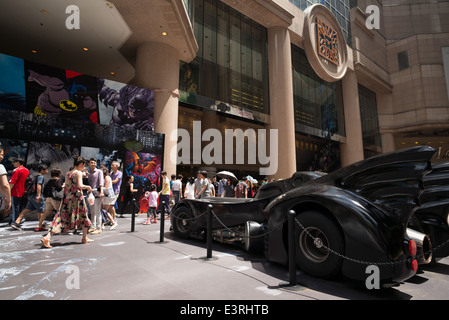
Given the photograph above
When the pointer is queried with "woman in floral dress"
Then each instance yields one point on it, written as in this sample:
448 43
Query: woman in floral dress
73 211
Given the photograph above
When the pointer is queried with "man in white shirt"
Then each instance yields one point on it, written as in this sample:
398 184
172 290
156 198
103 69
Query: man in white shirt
96 182
176 188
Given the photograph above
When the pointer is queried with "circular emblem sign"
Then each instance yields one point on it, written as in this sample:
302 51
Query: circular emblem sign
324 43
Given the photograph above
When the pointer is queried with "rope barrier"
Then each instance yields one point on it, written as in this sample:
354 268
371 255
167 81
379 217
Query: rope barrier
243 236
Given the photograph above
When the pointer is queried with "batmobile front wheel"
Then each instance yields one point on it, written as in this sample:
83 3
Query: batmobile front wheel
317 234
182 222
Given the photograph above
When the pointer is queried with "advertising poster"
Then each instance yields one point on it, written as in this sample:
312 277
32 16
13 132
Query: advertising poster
126 106
53 155
12 87
60 93
146 170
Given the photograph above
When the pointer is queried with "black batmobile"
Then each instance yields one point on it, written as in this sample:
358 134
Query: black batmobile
346 220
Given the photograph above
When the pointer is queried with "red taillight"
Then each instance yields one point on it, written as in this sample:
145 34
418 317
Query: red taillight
414 265
412 248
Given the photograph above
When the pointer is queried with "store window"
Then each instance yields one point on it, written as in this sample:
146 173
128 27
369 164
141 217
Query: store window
232 62
372 141
403 60
318 104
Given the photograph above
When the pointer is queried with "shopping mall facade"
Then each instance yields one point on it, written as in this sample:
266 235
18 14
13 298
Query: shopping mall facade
328 85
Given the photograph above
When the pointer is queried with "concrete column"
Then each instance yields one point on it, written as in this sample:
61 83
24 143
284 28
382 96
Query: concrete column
386 120
388 144
281 100
157 68
352 150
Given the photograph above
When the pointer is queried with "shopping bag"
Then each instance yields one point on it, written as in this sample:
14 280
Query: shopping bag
90 199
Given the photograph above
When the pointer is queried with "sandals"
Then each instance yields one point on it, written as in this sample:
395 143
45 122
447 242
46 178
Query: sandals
46 242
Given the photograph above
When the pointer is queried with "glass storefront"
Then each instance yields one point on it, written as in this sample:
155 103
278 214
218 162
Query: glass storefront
231 65
319 117
318 104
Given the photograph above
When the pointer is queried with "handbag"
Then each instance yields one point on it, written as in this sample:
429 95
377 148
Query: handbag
57 195
97 193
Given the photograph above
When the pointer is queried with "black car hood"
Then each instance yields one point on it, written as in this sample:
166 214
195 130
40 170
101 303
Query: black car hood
391 180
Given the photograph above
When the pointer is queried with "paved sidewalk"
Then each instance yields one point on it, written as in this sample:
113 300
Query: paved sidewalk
134 265
125 265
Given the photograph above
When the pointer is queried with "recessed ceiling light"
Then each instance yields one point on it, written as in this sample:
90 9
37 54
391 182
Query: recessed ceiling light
164 33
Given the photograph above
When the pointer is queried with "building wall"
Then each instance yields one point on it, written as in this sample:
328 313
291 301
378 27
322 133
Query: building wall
413 104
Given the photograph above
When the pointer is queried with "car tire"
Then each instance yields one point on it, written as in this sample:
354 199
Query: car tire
319 232
182 220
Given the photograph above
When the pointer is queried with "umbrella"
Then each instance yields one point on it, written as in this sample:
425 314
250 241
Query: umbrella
227 175
251 179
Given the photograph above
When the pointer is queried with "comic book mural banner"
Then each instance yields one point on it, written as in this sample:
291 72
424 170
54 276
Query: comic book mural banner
145 168
60 93
43 90
59 106
125 105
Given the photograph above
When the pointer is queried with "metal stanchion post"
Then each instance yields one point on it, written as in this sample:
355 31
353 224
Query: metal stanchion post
291 247
209 231
209 235
292 285
133 217
161 236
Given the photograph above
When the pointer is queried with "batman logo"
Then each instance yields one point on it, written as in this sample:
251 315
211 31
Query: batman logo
68 105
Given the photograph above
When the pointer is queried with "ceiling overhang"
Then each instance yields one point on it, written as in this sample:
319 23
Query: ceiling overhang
111 31
268 13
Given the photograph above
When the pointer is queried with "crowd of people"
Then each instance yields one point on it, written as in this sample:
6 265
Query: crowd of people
200 187
85 197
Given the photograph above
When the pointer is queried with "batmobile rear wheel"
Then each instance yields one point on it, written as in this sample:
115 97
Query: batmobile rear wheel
182 222
319 233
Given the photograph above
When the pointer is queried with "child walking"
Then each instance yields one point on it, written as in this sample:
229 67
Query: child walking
152 205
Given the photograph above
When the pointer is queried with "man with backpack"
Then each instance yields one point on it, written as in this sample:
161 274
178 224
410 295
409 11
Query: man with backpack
241 189
34 190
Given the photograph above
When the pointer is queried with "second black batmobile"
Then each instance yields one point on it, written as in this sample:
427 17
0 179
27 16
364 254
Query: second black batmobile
346 220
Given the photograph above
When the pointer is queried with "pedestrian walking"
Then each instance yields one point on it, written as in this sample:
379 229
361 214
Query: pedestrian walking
73 210
241 189
176 188
17 185
189 191
52 197
116 177
127 194
96 182
36 199
164 194
152 205
109 196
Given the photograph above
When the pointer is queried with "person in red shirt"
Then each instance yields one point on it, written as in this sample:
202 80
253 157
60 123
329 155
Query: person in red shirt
17 184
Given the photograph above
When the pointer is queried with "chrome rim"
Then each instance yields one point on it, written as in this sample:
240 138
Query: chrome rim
182 221
313 243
